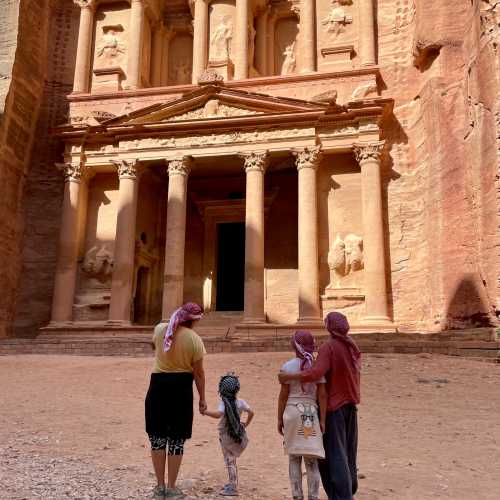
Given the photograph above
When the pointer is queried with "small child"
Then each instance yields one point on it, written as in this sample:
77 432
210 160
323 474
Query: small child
298 420
232 434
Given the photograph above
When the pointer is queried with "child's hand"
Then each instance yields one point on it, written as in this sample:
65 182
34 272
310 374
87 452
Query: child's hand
203 406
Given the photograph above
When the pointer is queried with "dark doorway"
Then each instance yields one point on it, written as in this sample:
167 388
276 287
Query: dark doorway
141 299
230 266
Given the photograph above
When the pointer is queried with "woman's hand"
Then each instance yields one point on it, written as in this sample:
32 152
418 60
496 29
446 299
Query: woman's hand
203 406
280 427
322 426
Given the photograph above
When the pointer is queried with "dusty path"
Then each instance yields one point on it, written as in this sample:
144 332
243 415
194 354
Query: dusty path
72 427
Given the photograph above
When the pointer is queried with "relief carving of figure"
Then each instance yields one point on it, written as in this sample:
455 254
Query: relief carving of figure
337 19
345 257
183 73
110 47
220 42
98 263
251 49
289 62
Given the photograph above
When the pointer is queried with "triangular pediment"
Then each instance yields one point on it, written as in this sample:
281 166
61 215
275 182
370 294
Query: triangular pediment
217 103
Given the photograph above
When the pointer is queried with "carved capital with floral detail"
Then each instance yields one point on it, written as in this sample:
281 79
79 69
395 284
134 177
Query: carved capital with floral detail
369 151
309 157
127 169
74 172
85 4
256 162
180 166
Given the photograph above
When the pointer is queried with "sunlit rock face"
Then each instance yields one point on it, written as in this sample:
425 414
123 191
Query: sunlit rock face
125 135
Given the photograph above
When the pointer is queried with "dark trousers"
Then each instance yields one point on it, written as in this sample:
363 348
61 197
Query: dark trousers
338 470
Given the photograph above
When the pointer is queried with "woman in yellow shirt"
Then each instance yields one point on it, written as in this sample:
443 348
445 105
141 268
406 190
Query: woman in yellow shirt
179 353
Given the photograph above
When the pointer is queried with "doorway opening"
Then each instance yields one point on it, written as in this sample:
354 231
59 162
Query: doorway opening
141 296
230 266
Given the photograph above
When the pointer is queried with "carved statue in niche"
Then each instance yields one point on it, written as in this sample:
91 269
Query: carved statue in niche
289 62
344 258
337 19
183 73
98 263
220 42
110 47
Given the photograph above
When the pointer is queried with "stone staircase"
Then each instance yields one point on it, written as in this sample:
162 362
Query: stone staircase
482 344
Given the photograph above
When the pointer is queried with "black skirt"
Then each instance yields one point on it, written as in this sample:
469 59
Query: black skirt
169 405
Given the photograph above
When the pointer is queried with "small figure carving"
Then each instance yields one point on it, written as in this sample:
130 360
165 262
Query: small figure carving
337 20
289 62
98 263
345 257
183 73
110 47
220 42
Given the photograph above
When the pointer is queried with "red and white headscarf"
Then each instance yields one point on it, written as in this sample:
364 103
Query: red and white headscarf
303 343
338 326
188 312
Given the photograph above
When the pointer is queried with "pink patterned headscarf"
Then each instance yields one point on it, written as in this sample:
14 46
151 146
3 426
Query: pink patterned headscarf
188 312
338 326
303 343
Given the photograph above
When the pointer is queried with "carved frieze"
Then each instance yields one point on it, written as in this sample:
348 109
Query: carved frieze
256 161
216 139
213 109
370 151
309 157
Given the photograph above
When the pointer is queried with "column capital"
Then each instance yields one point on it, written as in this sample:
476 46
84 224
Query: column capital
74 172
127 169
256 161
368 151
180 166
309 157
86 4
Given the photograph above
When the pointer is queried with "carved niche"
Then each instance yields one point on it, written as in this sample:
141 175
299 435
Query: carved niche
110 47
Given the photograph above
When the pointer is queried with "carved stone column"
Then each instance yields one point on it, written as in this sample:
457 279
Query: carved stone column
123 269
241 40
307 34
200 39
173 283
377 306
135 44
157 55
255 165
84 48
271 23
75 179
260 42
367 33
308 161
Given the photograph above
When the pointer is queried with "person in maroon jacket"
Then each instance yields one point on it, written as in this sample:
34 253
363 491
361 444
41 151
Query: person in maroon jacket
339 360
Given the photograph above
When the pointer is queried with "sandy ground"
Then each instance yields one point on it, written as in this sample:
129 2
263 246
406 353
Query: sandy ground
72 427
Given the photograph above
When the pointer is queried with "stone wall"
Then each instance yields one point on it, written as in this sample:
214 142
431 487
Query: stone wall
24 26
42 196
439 60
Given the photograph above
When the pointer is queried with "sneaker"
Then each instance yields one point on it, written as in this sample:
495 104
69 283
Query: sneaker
229 490
159 493
174 493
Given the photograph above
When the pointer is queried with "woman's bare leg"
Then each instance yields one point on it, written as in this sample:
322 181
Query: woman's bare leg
158 457
174 464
